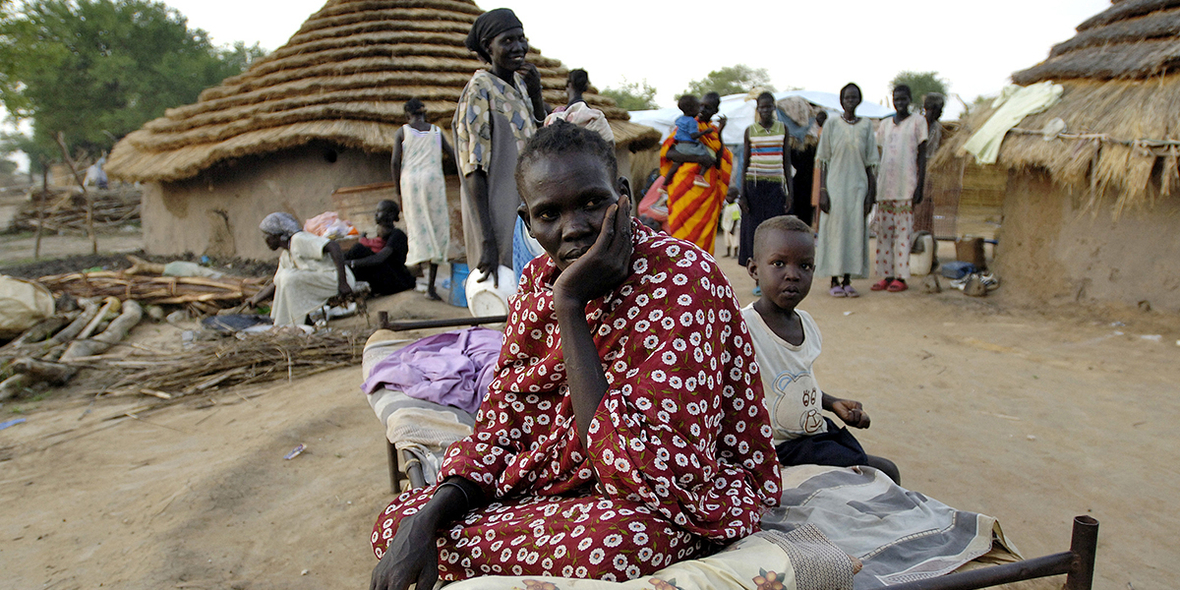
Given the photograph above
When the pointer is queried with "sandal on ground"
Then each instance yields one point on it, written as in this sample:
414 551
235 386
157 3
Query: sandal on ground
849 291
837 291
897 286
880 285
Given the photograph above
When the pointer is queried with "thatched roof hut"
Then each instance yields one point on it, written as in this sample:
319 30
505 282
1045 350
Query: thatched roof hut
1121 108
1117 156
339 84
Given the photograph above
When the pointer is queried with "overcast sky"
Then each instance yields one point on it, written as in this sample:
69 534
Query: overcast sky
817 45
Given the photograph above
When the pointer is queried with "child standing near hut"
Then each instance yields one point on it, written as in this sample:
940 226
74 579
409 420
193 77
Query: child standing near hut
900 177
786 344
418 173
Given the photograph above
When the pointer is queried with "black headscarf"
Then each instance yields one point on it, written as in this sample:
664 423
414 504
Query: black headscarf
487 26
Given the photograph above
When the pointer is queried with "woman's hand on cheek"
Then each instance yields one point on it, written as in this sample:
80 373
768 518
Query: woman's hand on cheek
605 265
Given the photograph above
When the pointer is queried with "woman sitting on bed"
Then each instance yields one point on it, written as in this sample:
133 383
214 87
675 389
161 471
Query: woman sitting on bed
625 428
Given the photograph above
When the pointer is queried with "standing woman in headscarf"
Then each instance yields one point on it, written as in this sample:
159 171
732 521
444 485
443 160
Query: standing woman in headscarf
498 111
311 270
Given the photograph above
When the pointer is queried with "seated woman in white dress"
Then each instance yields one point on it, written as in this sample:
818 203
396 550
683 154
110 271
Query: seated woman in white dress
311 271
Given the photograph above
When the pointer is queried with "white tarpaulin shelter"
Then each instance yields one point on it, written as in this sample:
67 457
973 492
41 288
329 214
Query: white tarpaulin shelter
739 109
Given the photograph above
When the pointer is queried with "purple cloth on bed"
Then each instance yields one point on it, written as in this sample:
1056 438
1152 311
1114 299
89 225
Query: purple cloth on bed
453 369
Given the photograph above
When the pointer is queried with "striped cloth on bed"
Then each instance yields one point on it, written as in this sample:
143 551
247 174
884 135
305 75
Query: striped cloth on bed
898 534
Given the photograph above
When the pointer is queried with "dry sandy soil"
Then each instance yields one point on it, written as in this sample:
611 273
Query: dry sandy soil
1030 416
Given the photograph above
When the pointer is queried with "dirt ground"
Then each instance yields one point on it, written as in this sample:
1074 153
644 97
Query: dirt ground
1032 416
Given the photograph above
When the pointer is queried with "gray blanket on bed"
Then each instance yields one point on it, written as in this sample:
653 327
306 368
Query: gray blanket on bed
898 534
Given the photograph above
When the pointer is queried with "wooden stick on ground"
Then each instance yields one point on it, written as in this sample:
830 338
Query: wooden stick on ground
115 333
110 305
89 310
43 371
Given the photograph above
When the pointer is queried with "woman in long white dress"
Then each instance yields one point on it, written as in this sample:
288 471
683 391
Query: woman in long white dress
311 271
418 173
848 157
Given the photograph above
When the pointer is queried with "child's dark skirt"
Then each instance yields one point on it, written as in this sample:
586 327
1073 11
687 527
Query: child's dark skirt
836 447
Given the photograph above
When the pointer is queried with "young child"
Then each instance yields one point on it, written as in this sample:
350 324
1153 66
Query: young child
687 133
731 225
786 344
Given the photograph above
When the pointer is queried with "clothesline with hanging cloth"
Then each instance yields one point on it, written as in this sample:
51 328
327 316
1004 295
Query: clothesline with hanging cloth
1165 147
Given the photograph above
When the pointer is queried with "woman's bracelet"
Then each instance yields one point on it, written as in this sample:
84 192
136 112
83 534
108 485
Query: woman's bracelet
452 484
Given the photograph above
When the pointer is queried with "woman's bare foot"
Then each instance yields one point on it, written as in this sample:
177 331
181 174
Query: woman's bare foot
433 295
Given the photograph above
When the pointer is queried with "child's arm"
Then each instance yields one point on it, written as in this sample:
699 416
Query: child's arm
850 411
698 134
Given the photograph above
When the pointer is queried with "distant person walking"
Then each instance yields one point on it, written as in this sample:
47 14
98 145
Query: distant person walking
848 157
900 177
766 173
418 173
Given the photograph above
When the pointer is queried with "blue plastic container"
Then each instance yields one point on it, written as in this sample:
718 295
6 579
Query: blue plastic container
459 272
956 269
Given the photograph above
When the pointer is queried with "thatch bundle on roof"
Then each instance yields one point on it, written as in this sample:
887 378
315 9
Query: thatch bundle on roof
341 79
1121 108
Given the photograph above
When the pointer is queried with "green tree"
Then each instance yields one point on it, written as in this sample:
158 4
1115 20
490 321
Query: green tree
731 80
920 83
99 69
633 96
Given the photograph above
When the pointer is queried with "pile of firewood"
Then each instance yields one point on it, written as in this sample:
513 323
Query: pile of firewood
64 210
47 352
205 295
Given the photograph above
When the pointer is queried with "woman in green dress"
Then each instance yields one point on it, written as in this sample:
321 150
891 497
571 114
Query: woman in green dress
848 157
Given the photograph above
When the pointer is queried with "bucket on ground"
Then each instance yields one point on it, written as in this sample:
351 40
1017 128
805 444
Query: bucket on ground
484 298
922 258
459 274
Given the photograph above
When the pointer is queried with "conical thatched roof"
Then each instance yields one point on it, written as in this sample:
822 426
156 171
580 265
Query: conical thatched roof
342 78
1133 39
1121 107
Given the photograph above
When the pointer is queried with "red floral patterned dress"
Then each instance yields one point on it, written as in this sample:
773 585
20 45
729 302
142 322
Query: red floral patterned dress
680 456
